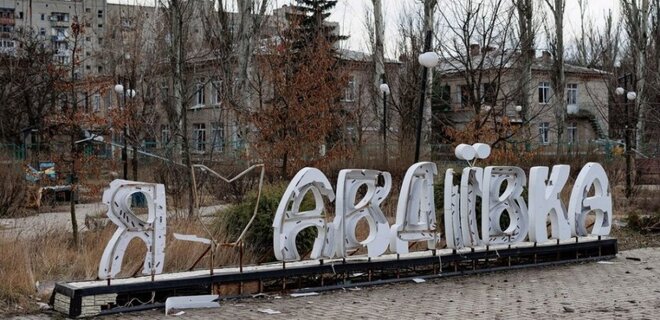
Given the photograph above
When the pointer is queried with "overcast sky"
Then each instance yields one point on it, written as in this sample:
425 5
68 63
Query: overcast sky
351 17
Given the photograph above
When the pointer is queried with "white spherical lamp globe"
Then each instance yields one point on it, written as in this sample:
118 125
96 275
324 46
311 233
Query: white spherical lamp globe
619 91
482 150
518 108
119 88
465 152
429 59
384 88
631 95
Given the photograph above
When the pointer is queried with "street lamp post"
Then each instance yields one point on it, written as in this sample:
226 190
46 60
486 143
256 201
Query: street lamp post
629 97
121 89
428 60
385 89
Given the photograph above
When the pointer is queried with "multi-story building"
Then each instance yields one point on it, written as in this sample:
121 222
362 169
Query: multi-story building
499 93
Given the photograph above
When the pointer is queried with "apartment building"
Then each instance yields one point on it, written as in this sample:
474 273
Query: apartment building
499 95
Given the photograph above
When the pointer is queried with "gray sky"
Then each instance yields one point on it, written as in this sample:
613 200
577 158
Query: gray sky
351 17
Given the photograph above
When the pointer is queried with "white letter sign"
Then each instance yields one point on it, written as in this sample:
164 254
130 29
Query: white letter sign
545 199
592 174
494 204
415 212
289 220
348 213
118 198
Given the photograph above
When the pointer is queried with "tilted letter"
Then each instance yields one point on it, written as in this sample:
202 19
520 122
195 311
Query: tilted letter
289 220
118 198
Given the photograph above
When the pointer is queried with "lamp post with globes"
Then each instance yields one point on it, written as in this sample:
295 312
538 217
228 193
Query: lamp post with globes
427 60
121 89
629 97
385 89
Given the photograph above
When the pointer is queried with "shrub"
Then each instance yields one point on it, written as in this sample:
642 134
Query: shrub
259 238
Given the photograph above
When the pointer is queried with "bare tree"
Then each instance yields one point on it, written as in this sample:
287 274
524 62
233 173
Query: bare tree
477 33
527 33
558 76
636 15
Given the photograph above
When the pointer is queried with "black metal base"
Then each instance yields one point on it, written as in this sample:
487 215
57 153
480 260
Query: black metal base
325 275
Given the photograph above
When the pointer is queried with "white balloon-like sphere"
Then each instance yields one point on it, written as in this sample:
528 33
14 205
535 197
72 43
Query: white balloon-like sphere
384 88
119 88
482 150
631 95
429 59
465 152
619 91
131 93
518 108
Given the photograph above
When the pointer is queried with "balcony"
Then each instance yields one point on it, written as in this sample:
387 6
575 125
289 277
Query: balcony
58 38
7 21
59 20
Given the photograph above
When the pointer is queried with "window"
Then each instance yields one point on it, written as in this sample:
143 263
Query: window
100 40
96 103
216 93
199 94
88 39
43 17
571 93
164 91
165 136
99 69
20 14
572 132
544 92
218 136
544 132
88 67
42 31
349 90
100 25
100 15
465 95
199 137
490 93
88 10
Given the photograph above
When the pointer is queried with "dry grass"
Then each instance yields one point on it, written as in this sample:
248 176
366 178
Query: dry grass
49 257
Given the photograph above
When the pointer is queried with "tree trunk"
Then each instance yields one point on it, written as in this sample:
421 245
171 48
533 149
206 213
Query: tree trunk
526 28
429 8
559 78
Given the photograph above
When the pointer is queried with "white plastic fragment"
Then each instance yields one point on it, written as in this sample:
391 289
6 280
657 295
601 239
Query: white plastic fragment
191 237
191 302
304 294
418 280
269 311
